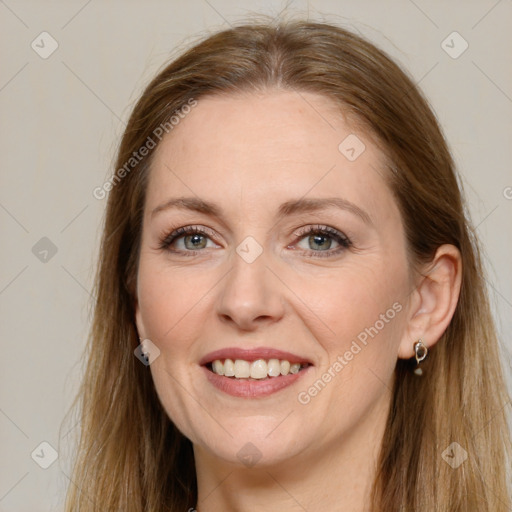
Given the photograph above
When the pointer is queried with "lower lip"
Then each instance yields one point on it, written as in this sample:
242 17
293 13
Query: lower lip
253 388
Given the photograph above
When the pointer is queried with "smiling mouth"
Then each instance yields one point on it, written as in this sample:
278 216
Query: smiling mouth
259 369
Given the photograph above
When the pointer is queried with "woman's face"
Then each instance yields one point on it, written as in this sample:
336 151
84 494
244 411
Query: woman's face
299 258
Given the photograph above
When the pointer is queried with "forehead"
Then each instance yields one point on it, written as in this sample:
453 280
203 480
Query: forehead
247 150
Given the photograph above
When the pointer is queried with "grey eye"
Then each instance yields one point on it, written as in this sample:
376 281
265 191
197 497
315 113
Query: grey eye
195 240
322 242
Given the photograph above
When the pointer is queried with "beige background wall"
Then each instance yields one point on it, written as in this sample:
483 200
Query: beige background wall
61 118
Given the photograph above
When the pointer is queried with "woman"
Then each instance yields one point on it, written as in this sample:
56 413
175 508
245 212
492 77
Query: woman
291 311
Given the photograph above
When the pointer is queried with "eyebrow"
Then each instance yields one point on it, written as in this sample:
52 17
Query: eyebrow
293 206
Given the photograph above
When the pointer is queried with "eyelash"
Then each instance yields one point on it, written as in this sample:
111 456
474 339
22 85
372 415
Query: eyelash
340 238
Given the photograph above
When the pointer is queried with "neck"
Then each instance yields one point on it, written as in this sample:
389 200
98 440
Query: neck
338 476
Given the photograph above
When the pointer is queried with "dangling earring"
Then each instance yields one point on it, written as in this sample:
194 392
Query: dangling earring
420 353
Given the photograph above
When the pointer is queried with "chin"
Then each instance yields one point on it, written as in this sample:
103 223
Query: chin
254 448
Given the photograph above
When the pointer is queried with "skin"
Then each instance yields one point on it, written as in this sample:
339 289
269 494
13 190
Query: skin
249 153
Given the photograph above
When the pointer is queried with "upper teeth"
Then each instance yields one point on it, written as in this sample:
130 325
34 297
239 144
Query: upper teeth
258 369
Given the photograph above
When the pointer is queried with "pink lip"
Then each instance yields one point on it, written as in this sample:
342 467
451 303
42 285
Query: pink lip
252 388
252 355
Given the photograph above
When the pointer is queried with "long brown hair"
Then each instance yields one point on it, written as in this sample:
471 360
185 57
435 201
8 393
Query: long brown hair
130 455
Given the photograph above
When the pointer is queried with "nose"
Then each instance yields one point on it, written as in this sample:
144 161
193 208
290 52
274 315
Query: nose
251 295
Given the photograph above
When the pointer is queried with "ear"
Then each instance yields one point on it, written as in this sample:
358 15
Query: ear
433 301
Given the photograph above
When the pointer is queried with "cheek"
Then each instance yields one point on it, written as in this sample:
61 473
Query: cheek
362 316
365 316
169 298
361 301
170 302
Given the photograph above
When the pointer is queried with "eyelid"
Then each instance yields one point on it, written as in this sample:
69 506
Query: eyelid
340 238
166 239
320 228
